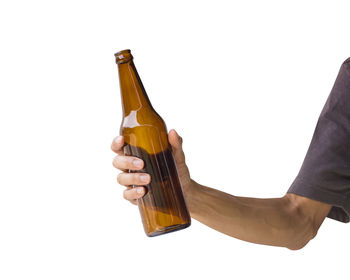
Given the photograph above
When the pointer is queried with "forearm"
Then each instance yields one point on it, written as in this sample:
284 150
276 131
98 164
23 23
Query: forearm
264 221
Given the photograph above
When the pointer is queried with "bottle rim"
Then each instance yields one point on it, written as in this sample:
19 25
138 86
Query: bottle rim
123 56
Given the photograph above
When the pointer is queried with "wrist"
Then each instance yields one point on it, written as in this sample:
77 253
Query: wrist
191 196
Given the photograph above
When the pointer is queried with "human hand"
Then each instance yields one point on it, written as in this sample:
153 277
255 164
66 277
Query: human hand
138 179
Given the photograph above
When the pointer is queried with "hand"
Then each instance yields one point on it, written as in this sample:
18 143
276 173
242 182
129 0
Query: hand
124 163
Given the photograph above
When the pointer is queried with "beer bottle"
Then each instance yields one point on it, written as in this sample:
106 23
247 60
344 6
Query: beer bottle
162 208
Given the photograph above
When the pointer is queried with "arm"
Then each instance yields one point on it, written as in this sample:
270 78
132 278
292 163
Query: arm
291 221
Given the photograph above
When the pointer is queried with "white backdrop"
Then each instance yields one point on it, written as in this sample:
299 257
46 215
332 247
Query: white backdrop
243 82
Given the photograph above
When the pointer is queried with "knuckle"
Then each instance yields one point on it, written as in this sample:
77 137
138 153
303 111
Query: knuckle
125 162
115 161
125 196
119 178
121 162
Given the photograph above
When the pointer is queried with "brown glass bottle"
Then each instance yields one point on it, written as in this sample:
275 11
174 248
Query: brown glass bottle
162 208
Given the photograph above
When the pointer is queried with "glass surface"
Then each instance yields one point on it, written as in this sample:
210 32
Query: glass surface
163 207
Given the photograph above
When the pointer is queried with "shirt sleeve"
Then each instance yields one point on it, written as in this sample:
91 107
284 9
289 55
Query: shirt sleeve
325 173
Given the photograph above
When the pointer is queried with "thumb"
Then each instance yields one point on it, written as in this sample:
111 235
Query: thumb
176 143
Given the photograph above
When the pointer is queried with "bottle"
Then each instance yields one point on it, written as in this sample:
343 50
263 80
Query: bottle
162 208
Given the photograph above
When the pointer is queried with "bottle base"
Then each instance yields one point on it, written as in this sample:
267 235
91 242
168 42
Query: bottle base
168 229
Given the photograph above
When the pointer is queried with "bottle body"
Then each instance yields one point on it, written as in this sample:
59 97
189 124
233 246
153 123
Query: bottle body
163 207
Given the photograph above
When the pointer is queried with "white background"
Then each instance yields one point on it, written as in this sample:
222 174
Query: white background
243 82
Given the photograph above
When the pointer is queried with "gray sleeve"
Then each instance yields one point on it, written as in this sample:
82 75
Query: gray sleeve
325 172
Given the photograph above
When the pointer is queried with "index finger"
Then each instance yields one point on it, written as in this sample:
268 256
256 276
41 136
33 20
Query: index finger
117 145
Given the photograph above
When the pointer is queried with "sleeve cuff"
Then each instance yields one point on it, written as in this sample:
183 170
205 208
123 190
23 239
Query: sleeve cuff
341 204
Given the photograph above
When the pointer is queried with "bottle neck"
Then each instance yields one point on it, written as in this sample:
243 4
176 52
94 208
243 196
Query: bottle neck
133 94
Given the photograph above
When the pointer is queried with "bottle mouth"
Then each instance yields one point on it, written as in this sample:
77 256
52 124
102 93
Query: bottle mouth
123 56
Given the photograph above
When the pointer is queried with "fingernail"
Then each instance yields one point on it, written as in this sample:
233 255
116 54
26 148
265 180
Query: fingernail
137 163
144 178
139 190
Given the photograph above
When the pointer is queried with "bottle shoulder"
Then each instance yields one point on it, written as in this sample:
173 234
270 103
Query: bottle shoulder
145 130
144 117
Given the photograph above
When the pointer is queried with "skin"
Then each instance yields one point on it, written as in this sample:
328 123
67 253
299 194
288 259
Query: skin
290 221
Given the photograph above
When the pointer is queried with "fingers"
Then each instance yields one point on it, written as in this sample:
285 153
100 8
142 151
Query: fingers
133 194
132 163
136 179
117 145
127 162
176 143
139 179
